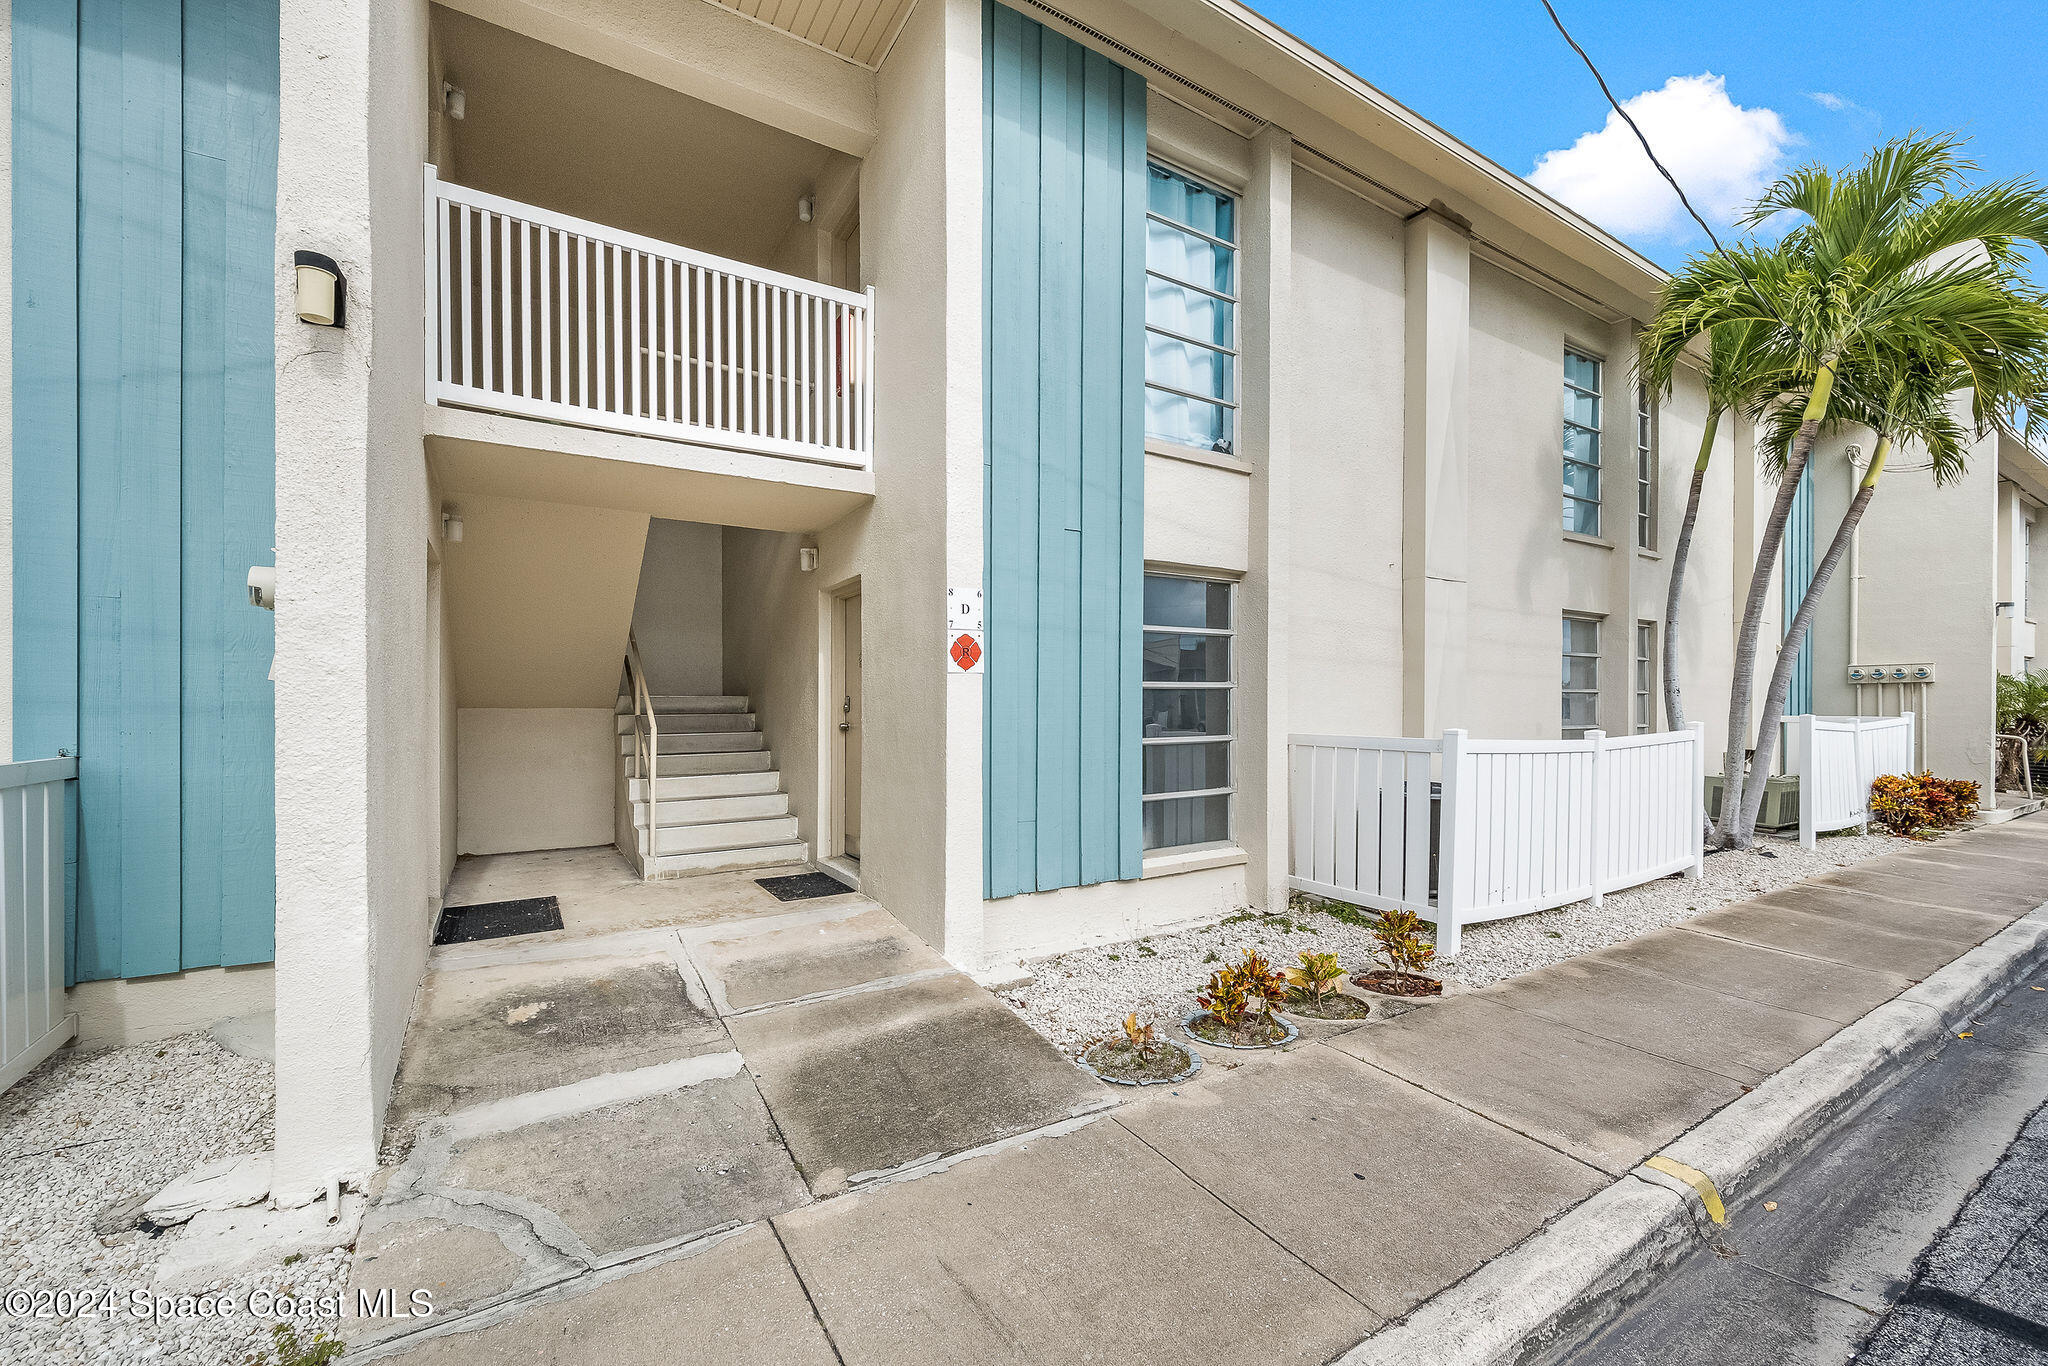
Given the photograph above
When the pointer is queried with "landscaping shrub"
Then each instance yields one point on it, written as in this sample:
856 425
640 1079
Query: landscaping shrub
1916 805
2022 711
1317 976
1401 944
1248 987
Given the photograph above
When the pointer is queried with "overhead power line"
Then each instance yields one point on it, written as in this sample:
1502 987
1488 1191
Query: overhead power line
1662 169
1842 380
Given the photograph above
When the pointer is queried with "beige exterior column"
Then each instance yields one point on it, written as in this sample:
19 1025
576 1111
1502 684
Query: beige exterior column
1261 722
1434 534
358 829
1618 526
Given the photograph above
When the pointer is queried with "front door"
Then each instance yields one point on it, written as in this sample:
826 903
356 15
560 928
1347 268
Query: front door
846 755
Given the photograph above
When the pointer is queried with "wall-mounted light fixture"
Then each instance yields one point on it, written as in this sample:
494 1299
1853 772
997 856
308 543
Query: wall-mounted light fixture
323 292
807 558
451 523
804 208
454 101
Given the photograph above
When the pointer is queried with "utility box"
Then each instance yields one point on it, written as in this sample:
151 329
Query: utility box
1780 810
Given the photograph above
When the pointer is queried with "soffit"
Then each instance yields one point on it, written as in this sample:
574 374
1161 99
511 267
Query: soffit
858 30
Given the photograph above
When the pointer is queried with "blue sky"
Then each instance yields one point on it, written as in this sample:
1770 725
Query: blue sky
1797 83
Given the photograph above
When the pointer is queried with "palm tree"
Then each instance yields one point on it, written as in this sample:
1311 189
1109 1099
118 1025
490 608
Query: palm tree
1915 406
1913 395
1742 371
1888 250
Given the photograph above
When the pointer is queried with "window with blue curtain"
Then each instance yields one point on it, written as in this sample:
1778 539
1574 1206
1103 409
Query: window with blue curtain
1190 311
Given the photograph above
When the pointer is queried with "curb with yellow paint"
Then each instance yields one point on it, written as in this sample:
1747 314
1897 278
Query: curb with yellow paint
1697 1179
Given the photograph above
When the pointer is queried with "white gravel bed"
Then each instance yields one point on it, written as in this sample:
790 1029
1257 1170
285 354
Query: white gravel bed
86 1133
1080 996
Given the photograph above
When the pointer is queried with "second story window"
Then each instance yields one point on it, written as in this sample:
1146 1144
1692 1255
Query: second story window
1581 444
1646 470
1190 311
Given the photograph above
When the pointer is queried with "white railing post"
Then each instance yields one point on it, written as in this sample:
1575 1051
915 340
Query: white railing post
1596 827
1810 778
867 386
1699 799
1452 896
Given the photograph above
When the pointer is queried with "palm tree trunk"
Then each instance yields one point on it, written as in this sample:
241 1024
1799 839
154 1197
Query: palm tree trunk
1674 706
1795 635
1733 834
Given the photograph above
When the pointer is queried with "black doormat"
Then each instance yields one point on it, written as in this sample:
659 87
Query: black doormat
498 920
802 886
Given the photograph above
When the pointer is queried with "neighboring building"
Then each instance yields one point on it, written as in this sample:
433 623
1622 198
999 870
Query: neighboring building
1235 400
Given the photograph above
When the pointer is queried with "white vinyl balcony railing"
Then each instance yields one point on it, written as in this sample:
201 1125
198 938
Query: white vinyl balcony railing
546 316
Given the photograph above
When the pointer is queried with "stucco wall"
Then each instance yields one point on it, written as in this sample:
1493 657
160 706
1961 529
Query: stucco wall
358 829
921 192
122 1011
1929 557
710 53
534 778
540 600
676 609
1344 343
773 656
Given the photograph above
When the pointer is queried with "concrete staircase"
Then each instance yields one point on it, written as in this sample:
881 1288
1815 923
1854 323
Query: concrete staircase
720 804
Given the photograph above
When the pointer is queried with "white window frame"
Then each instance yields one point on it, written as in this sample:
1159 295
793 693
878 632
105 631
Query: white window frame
1227 400
1646 470
1579 732
1599 452
1228 687
1646 677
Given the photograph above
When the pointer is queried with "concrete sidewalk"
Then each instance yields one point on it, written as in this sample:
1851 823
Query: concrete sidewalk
1286 1205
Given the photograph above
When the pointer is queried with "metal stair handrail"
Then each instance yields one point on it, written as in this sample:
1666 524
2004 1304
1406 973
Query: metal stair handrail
646 730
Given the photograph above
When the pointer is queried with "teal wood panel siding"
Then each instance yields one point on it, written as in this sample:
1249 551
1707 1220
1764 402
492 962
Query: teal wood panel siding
1064 272
145 209
1798 574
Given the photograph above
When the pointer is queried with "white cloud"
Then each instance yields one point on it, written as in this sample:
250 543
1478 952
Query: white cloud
1721 153
1839 104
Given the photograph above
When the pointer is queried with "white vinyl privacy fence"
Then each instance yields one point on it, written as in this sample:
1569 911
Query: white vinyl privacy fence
1836 758
33 1024
1460 831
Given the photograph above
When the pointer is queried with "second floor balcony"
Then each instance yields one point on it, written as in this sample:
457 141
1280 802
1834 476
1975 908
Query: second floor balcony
541 315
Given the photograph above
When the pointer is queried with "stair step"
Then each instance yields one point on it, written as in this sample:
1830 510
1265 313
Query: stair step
712 810
702 742
699 839
724 860
664 701
707 785
682 722
695 765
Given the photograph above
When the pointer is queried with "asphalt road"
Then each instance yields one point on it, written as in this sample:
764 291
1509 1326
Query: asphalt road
1915 1234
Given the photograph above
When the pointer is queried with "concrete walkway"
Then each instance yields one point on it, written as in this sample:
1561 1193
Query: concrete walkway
1279 1208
